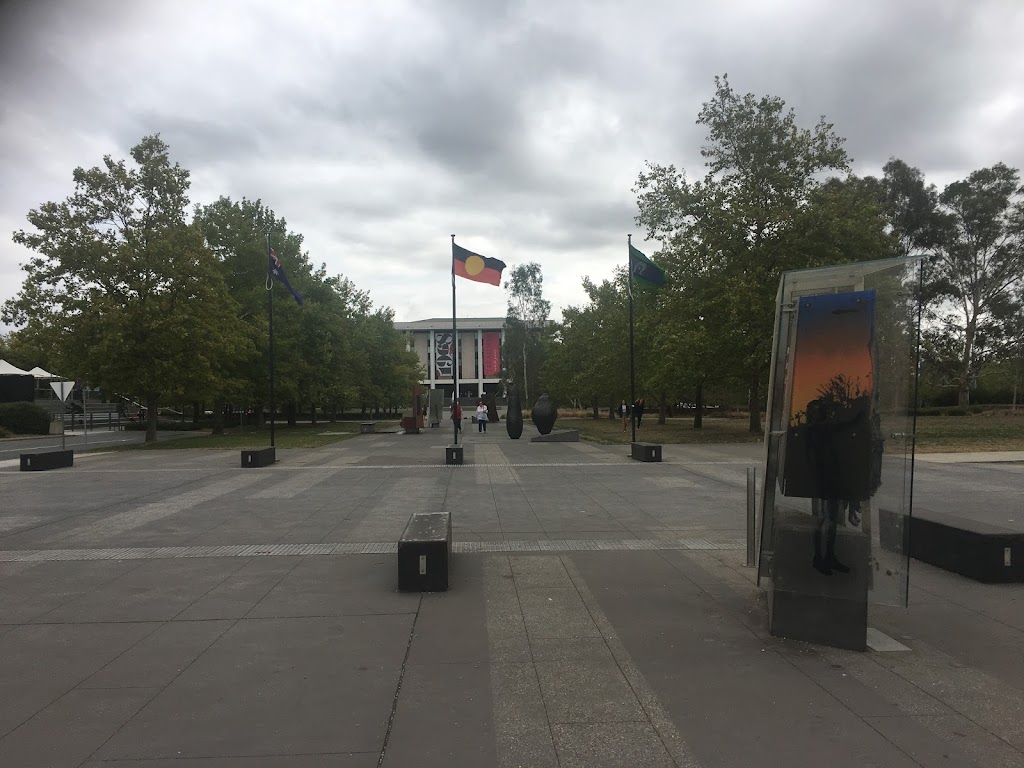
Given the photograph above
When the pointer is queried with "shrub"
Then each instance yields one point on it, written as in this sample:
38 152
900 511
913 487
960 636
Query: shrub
955 411
24 419
4 433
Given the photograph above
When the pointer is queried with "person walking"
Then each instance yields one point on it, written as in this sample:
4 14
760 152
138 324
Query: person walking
638 410
624 413
457 415
481 417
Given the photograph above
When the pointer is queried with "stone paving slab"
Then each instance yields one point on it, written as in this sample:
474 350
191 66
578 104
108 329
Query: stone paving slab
168 608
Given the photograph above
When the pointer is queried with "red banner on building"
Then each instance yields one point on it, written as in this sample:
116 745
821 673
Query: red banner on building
492 354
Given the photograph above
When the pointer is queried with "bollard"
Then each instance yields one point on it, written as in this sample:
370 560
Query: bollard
751 506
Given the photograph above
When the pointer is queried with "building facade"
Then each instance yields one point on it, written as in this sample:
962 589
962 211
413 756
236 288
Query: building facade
479 347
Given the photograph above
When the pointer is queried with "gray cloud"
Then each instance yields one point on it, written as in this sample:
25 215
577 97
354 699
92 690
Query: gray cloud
521 125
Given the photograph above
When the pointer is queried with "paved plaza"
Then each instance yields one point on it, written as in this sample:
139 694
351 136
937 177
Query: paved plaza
168 608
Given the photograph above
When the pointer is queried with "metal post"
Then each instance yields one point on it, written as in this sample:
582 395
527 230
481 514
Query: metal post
751 510
632 377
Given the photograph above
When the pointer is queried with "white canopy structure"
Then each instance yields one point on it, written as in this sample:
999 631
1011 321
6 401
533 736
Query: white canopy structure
40 373
6 369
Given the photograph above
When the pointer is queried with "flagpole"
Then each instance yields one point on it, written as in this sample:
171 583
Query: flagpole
632 381
455 341
270 292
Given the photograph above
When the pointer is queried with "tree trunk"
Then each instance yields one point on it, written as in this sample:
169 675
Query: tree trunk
698 407
196 412
596 404
963 398
663 408
334 412
526 389
312 413
611 407
291 413
755 404
151 417
218 417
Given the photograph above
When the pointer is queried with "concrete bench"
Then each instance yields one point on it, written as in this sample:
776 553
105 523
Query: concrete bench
988 553
367 427
37 462
453 454
259 457
424 551
645 451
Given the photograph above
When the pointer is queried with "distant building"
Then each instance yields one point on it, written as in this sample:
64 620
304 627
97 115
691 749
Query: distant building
480 341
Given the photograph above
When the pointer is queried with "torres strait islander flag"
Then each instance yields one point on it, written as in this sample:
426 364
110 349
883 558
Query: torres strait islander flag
473 266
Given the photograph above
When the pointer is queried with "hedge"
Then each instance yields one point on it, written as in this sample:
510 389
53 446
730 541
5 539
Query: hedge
24 419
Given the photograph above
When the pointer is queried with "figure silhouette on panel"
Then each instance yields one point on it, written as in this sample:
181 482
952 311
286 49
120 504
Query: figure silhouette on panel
837 429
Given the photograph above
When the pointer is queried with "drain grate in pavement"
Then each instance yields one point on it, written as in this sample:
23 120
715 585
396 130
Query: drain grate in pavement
361 548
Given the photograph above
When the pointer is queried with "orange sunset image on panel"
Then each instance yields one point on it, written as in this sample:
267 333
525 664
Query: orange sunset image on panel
833 357
828 444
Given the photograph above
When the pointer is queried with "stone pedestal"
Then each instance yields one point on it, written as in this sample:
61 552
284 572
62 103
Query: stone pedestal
259 457
645 451
424 552
558 436
806 604
453 454
38 462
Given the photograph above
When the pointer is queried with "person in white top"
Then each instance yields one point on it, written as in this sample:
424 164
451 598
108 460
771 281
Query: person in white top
481 417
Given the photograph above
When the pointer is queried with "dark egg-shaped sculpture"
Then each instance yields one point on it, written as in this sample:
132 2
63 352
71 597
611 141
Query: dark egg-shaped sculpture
544 414
514 416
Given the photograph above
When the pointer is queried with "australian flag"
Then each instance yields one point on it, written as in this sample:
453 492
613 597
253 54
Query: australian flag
278 274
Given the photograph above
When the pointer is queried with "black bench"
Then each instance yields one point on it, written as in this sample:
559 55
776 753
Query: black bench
645 451
453 454
367 427
424 551
982 551
37 462
260 457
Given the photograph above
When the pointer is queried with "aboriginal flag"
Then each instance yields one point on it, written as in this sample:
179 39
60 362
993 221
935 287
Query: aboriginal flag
473 266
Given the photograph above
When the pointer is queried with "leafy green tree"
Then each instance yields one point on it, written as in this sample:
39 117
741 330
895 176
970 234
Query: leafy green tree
978 272
909 205
526 328
389 370
134 299
237 233
590 359
759 210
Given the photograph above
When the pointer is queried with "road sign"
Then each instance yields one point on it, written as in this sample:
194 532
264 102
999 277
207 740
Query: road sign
62 388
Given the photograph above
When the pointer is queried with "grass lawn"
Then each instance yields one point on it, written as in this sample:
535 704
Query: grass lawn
299 436
716 430
988 431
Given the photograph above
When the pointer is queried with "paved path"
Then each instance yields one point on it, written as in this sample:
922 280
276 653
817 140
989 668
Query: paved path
167 608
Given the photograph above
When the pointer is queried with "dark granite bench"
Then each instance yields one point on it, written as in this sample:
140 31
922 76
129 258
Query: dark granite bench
979 550
259 457
645 451
453 454
367 427
424 551
37 462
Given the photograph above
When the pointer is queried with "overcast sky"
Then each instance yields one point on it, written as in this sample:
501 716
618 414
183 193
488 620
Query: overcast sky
378 128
